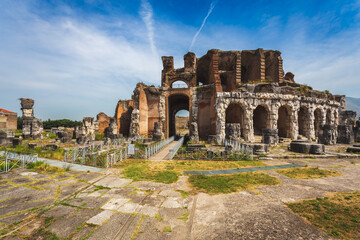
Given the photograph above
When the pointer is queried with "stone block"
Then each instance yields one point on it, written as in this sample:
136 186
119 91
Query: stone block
270 136
307 147
233 131
345 134
354 149
327 134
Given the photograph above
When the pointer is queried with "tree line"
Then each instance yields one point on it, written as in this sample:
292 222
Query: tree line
48 124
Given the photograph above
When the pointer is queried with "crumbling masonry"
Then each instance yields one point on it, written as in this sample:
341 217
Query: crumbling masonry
244 91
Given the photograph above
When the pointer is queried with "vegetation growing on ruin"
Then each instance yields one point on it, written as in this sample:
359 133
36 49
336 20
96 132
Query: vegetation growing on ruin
338 214
57 154
308 173
230 183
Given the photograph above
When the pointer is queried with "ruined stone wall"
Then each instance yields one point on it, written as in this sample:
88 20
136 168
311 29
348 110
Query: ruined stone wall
123 112
273 101
103 121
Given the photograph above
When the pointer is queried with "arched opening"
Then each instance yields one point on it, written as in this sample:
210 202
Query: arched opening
182 122
179 84
283 122
303 121
235 114
317 121
176 103
328 117
260 119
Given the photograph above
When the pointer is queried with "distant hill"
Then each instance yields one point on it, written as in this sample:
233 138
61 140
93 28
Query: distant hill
353 104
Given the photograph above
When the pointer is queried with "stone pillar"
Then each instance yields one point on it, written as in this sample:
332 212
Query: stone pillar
345 134
249 126
294 125
32 127
220 120
311 131
134 126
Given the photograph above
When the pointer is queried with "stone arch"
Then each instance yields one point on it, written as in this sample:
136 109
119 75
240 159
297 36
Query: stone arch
143 114
328 117
176 102
284 121
179 84
261 119
235 113
304 121
317 121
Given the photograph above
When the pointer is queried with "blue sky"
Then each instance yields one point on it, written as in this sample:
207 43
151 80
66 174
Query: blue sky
78 58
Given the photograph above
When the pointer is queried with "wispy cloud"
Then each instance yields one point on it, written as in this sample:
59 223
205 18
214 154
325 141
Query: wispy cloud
147 13
212 5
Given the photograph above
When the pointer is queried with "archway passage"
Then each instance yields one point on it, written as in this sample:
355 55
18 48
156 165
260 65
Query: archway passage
317 121
182 122
328 117
260 119
235 114
303 121
176 103
283 122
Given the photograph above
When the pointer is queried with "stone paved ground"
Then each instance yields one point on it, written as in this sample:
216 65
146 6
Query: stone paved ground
79 205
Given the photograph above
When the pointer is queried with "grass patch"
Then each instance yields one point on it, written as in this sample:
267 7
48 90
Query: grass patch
39 165
185 217
166 229
157 217
184 194
231 183
308 173
337 214
100 187
139 170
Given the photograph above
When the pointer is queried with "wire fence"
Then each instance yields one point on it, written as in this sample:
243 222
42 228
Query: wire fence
100 154
173 151
234 151
11 160
156 147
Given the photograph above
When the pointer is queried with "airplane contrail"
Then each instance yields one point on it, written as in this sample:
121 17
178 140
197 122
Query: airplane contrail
212 5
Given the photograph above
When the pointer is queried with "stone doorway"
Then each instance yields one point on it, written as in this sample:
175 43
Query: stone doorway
284 121
235 114
261 119
176 102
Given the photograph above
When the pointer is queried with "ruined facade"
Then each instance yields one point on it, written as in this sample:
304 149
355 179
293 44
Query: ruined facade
245 91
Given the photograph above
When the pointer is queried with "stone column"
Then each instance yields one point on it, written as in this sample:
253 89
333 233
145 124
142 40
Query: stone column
294 124
311 127
249 126
220 121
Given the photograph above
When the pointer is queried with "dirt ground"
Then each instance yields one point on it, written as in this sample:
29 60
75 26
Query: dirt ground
78 205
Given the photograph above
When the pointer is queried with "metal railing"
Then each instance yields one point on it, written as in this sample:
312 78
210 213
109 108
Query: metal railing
11 160
240 147
173 150
156 147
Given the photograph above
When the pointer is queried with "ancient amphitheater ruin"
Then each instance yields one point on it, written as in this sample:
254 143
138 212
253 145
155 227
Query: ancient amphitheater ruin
231 94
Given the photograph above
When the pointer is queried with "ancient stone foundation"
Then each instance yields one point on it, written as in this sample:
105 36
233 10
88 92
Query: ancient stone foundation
327 134
307 147
32 127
